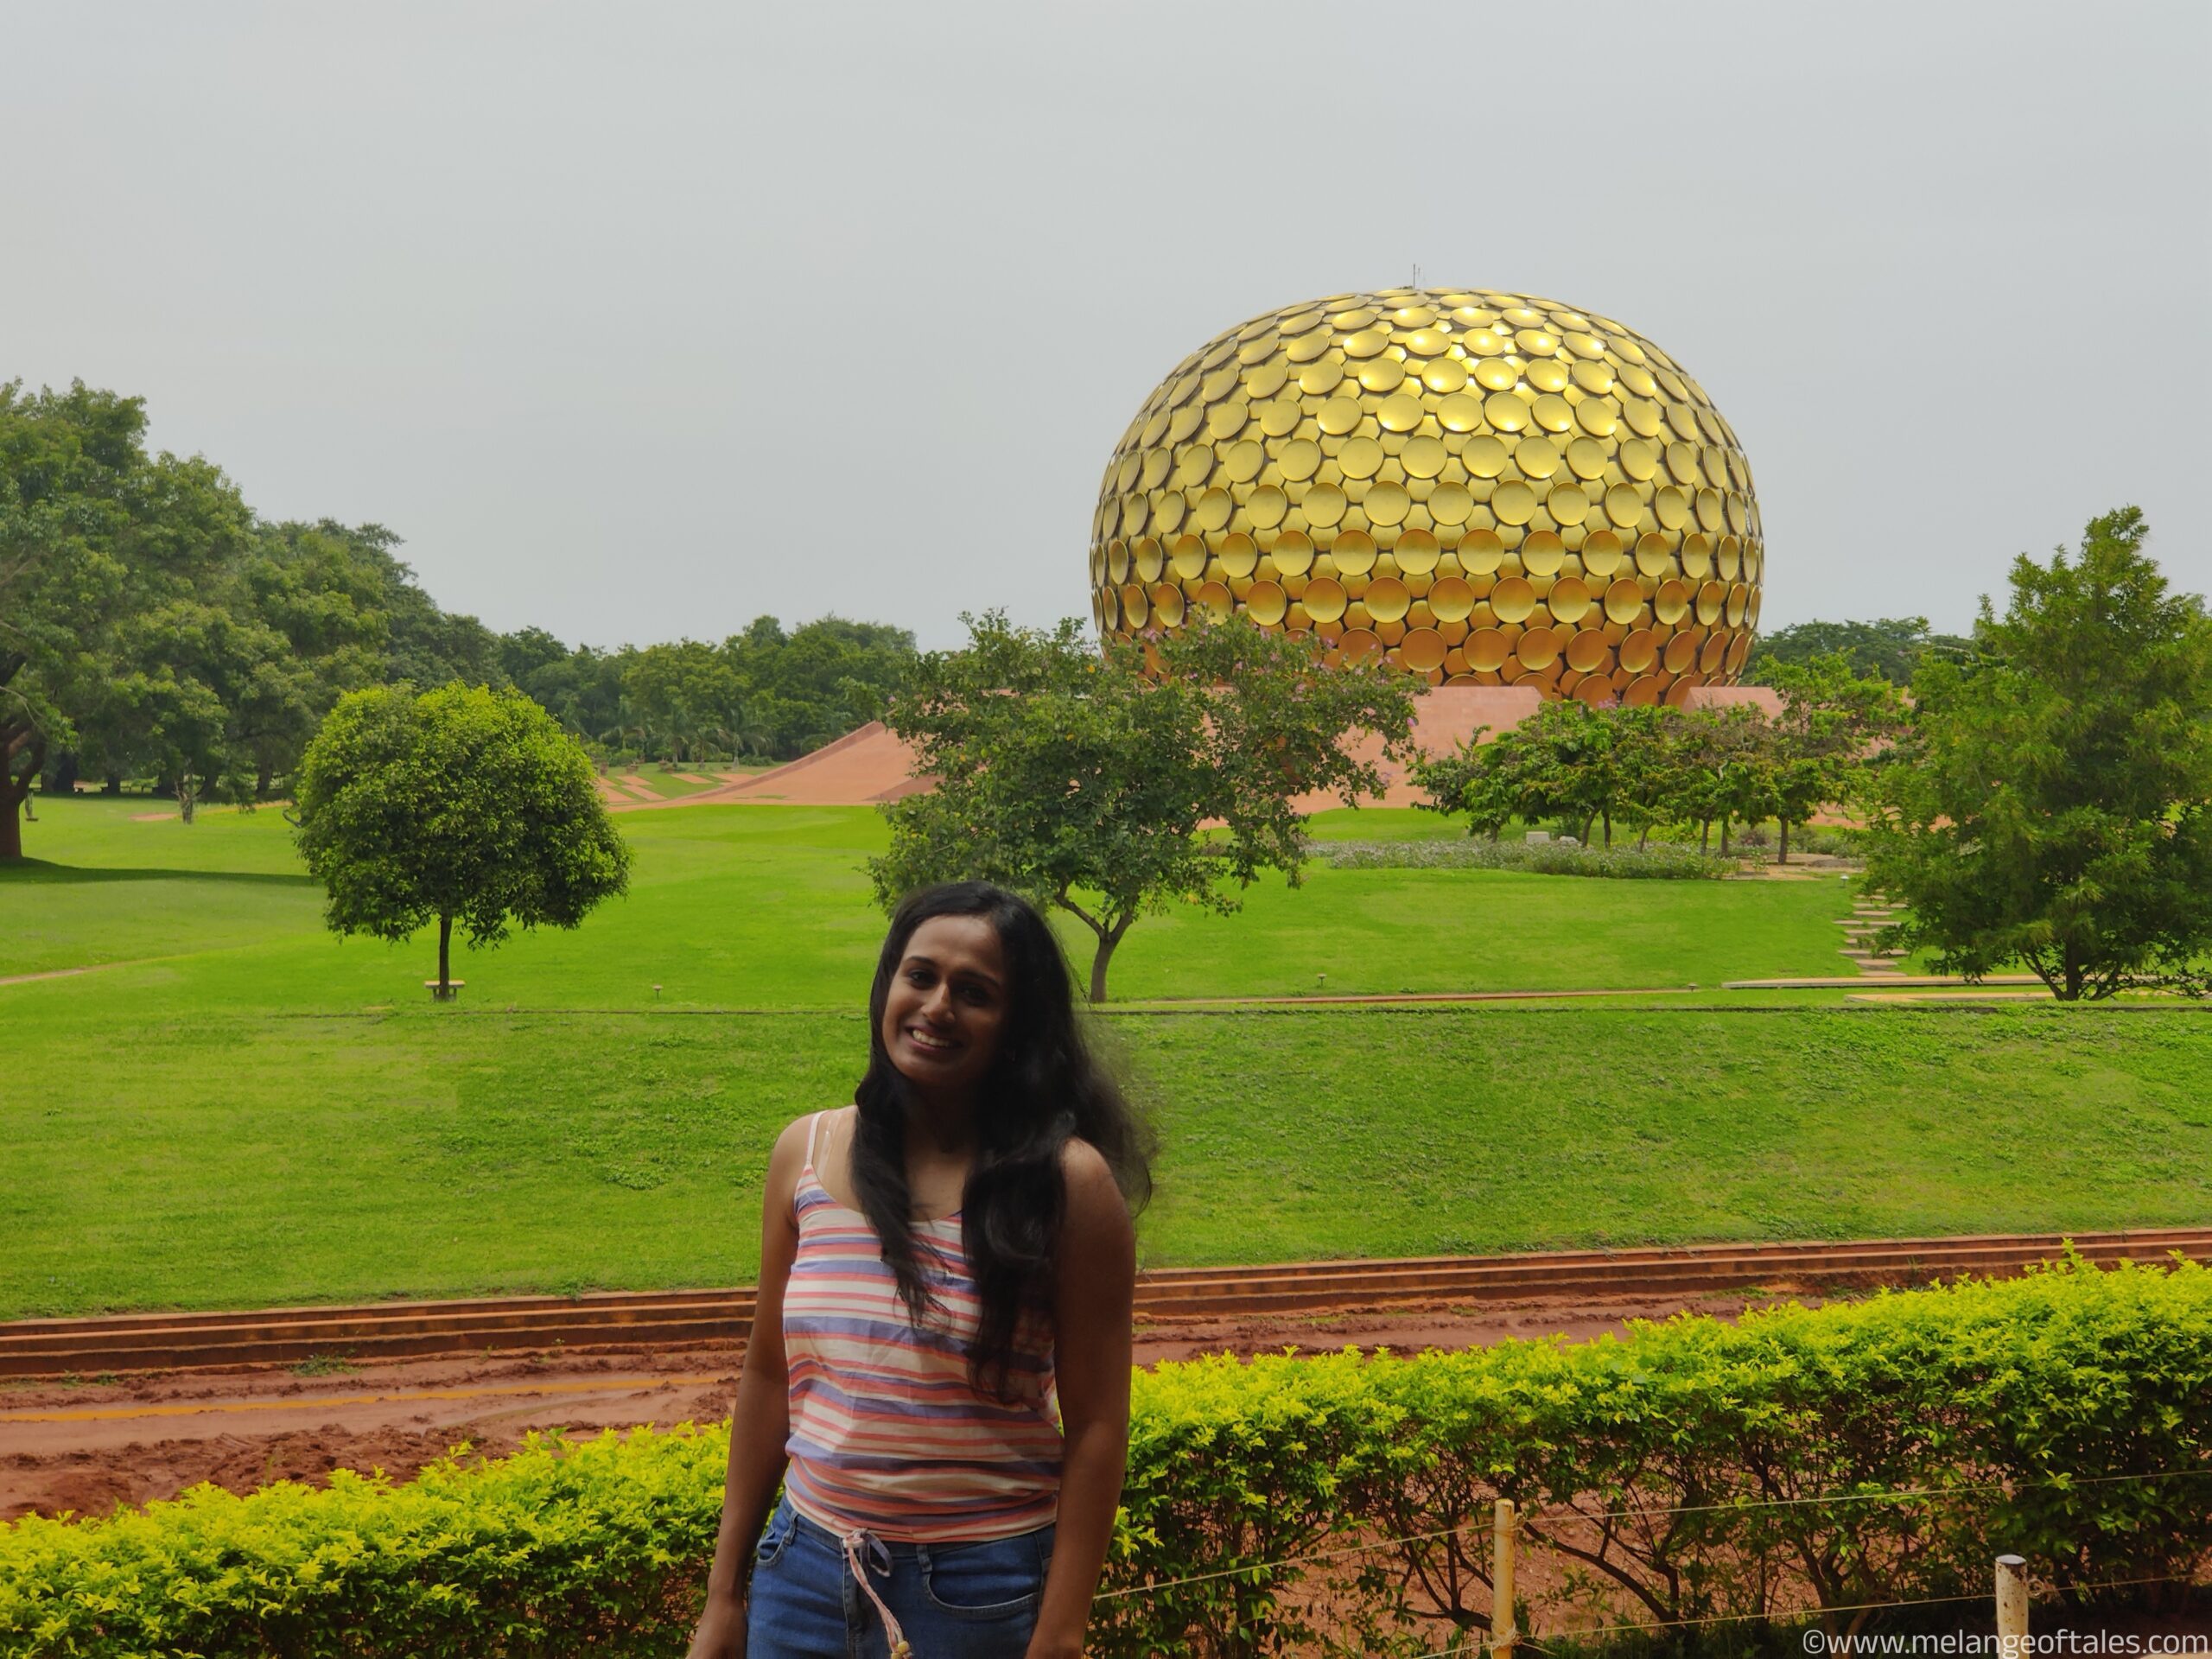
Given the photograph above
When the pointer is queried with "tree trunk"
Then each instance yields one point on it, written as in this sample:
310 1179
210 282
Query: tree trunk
22 754
1107 940
1783 857
444 993
1723 835
1643 838
1587 821
184 793
261 783
1609 829
1704 837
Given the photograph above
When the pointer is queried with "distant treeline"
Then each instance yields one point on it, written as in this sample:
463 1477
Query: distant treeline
1888 649
152 625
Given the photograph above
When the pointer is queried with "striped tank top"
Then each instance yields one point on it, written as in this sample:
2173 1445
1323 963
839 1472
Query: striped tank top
887 1433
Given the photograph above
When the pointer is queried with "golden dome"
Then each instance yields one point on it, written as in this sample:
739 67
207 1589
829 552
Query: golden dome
1488 488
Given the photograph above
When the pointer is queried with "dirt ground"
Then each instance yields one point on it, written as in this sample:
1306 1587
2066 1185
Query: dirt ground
84 1446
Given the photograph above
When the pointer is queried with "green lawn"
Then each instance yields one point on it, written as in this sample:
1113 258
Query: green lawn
245 1110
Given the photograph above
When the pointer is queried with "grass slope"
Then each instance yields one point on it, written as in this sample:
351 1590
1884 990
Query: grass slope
246 1111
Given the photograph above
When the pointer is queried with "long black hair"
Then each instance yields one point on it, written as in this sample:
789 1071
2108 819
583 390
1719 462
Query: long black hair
1044 1087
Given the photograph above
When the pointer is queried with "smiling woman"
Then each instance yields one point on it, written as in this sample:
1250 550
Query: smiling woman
938 1373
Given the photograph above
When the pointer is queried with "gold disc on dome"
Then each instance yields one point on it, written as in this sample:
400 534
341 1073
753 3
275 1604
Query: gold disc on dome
1239 557
1595 689
1422 650
1292 553
1134 608
1683 462
1513 599
1586 651
1353 552
1542 554
1424 457
1267 380
1280 418
1486 650
1382 374
1148 560
1642 692
1299 459
1355 316
1266 604
1306 347
1359 645
1450 504
1215 599
1594 377
1624 602
1486 342
1360 458
1586 458
1639 650
1639 461
1708 510
1367 342
1416 552
1739 649
1324 504
1338 415
1642 417
1401 413
1316 378
1416 316
1597 416
1637 379
1185 421
1450 599
1583 343
1117 561
1536 457
1495 374
1697 557
1222 421
1243 461
1167 511
1624 505
1671 603
1481 552
1387 599
1680 653
1670 509
1569 599
1601 553
1387 504
1168 605
1715 652
1566 504
1269 504
1506 412
1484 457
1427 342
1538 648
1445 374
1655 554
1536 342
1460 412
1189 558
1513 502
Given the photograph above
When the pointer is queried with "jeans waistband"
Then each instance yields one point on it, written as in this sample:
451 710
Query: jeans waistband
804 1527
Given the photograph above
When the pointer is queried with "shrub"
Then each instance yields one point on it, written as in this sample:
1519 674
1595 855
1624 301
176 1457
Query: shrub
1662 861
1691 1469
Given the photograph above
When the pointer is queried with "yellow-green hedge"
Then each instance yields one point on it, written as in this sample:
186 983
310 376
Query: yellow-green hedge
2029 1408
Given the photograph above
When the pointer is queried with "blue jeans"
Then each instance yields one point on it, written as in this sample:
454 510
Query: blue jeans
954 1601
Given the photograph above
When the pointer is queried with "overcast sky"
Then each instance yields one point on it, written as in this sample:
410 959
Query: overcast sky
638 321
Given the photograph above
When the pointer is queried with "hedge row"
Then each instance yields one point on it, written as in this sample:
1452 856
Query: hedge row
2066 1415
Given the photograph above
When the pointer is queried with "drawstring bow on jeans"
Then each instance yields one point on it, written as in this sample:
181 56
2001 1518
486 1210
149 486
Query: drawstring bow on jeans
856 1541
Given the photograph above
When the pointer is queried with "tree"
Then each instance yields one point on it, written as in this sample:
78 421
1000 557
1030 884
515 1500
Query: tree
1890 649
2051 802
1109 783
1831 715
459 804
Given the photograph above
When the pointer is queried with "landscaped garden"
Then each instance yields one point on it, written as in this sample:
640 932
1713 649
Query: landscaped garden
242 1109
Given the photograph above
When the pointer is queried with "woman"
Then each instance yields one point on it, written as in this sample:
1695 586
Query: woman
938 1374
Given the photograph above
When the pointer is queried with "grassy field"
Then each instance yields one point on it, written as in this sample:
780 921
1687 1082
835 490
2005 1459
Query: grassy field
242 1109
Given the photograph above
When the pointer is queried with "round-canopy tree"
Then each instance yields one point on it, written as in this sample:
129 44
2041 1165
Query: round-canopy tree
459 804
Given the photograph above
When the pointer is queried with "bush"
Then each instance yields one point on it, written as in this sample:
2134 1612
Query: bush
1692 1469
1661 860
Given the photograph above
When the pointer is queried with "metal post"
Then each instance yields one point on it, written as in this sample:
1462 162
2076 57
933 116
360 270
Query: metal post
2012 1606
1503 1636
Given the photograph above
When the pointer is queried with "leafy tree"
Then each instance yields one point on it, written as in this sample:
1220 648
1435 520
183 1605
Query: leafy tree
1831 715
2052 801
1109 783
1891 649
459 804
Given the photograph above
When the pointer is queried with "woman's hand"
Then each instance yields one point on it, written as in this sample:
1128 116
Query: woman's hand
720 1634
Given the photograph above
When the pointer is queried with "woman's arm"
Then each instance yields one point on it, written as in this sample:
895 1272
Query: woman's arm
760 1423
1092 1312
